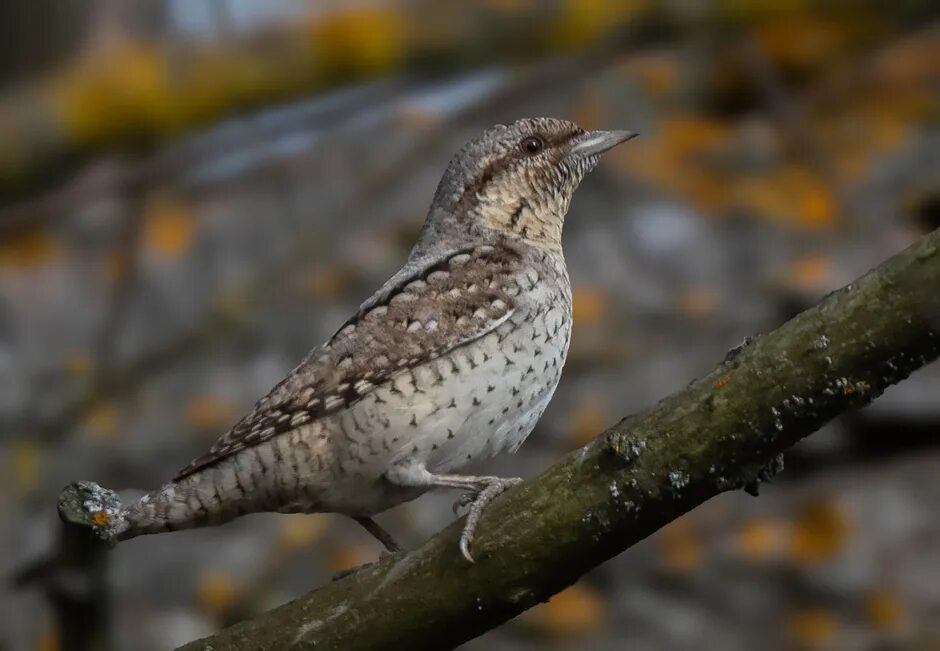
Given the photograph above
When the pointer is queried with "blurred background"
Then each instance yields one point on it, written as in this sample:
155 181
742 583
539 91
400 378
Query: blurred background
195 192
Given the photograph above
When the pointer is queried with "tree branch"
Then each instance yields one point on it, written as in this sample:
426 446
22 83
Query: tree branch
75 578
713 436
720 433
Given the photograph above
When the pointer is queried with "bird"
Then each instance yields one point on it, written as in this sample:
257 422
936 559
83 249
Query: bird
452 361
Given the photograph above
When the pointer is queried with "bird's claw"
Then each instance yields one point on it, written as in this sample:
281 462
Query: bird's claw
464 499
478 502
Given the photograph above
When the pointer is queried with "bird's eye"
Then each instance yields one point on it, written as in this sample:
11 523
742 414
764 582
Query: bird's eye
532 145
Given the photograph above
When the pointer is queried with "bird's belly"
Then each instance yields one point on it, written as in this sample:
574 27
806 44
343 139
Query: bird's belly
468 405
474 403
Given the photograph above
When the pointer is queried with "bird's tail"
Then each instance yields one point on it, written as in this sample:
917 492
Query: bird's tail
210 496
193 501
170 508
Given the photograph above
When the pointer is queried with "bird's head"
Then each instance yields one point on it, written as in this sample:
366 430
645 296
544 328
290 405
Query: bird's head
519 178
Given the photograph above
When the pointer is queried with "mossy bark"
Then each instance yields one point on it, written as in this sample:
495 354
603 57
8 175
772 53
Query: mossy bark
712 436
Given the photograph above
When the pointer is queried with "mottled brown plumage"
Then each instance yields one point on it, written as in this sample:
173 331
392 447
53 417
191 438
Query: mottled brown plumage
438 308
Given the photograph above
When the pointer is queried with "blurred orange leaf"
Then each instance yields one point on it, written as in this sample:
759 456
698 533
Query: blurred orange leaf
812 274
884 610
801 41
27 251
169 228
793 194
588 305
350 556
587 420
78 363
48 641
216 591
301 530
812 626
658 73
101 421
759 539
329 282
208 412
681 546
576 610
819 532
671 157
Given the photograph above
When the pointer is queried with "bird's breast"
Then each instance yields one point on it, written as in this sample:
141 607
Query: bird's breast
472 403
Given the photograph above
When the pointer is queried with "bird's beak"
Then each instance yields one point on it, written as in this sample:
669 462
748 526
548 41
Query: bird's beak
593 143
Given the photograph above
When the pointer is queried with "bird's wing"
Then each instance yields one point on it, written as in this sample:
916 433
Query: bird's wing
415 318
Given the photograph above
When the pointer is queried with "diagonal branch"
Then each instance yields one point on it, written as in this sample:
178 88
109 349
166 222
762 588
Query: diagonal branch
715 435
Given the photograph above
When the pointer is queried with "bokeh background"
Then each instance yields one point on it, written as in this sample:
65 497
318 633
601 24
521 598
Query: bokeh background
195 192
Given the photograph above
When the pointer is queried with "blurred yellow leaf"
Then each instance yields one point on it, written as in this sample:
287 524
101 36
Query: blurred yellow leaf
812 626
208 412
169 229
26 459
360 40
819 532
884 611
216 591
577 610
680 545
586 421
101 421
301 530
27 251
329 282
129 82
584 21
78 363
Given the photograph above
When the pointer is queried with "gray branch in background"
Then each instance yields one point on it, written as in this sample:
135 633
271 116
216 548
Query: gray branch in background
716 434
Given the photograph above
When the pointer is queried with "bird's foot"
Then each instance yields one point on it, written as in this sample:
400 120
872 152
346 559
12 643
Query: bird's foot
490 489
